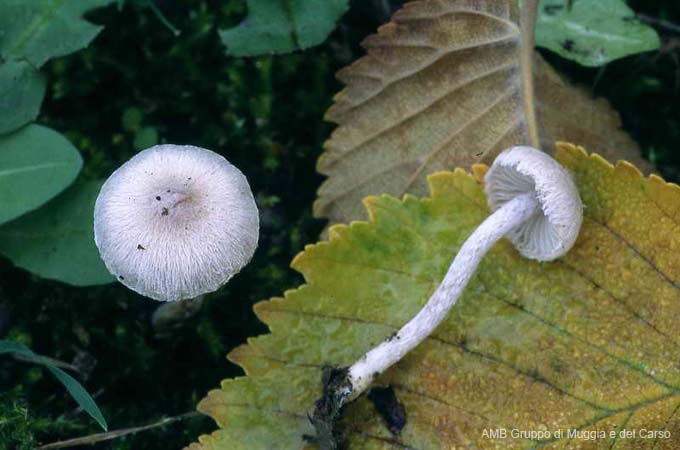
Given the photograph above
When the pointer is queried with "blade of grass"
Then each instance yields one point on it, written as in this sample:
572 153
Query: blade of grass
75 389
80 395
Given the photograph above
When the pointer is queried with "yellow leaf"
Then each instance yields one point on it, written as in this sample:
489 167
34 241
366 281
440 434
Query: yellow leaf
450 83
588 343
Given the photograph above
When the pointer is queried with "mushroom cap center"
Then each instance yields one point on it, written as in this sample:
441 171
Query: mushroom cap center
177 201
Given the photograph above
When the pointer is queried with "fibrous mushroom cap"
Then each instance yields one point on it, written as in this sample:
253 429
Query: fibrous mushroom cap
551 232
175 222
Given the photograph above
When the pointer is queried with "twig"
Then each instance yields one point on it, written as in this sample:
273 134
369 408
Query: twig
164 20
100 437
661 23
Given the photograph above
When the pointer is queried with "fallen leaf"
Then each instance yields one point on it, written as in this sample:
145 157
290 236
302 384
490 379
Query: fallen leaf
586 343
446 84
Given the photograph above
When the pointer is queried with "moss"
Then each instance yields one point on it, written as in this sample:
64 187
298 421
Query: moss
19 426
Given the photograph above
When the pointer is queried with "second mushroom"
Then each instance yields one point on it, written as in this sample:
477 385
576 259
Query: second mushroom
535 204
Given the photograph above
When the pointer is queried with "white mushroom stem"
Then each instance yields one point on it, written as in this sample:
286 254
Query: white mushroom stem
508 217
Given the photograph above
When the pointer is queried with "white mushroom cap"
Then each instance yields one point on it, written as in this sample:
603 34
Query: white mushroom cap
551 232
176 221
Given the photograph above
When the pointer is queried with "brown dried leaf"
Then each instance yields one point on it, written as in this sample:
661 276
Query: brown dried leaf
448 83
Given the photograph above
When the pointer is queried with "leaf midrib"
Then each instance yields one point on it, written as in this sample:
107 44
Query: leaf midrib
35 24
14 171
527 26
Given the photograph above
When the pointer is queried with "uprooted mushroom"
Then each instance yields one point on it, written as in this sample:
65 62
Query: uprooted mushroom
536 206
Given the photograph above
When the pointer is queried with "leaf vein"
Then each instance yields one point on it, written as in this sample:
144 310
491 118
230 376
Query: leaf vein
330 162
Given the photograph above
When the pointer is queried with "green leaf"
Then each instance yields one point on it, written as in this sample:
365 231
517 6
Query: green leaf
280 26
588 342
37 30
592 32
36 163
74 388
22 89
57 240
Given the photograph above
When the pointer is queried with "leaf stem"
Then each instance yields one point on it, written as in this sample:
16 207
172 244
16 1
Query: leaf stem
463 267
527 24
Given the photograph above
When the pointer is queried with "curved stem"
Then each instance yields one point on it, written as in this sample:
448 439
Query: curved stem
497 225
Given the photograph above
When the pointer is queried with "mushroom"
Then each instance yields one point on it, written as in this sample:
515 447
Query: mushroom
536 206
175 222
